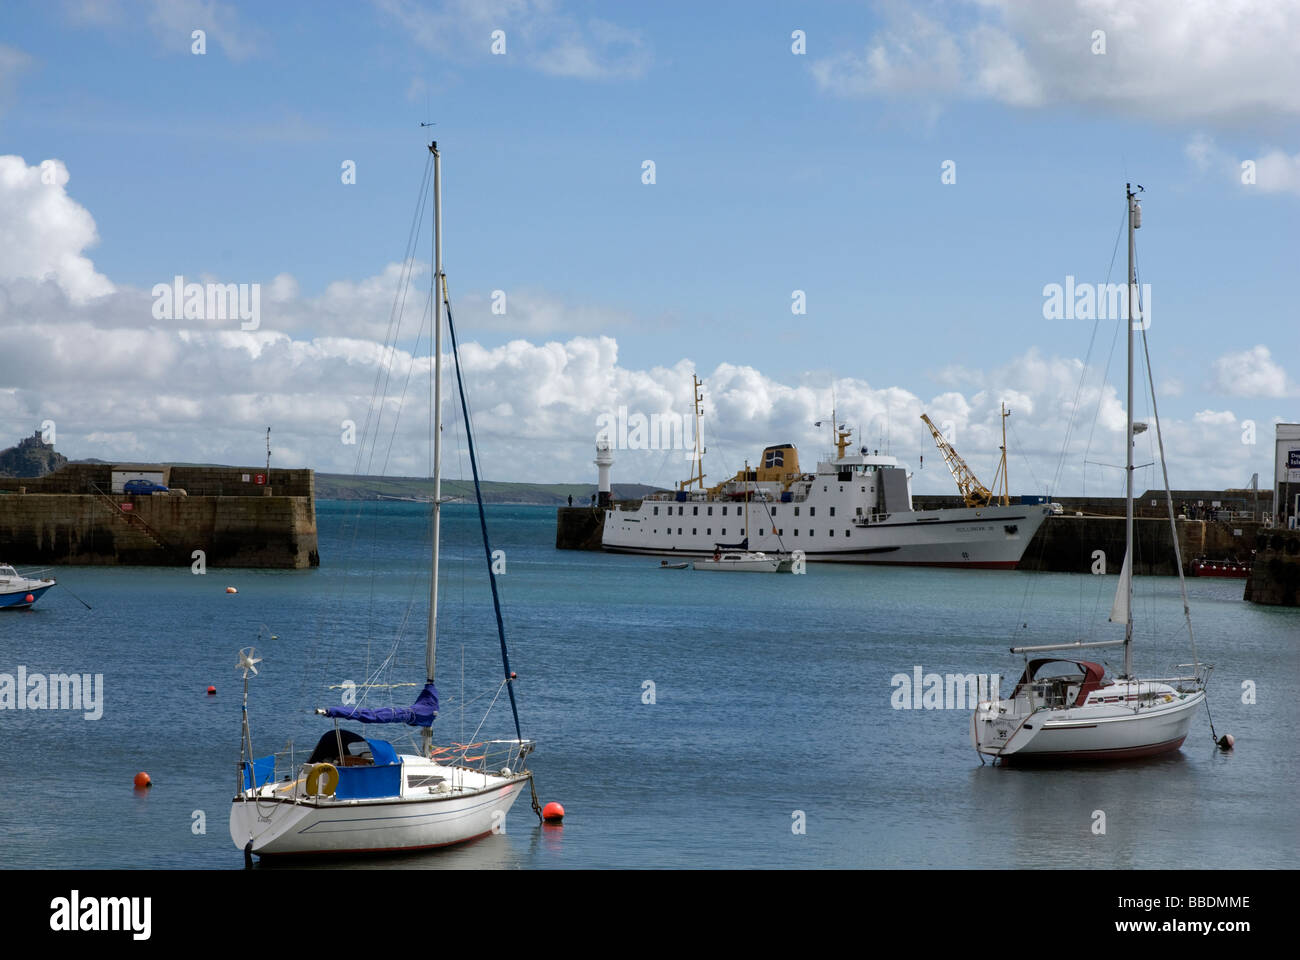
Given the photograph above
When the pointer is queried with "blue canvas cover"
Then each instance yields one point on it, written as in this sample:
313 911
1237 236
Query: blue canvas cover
367 783
419 714
382 752
262 770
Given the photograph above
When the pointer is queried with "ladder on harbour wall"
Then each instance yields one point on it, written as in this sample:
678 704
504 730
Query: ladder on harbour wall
131 518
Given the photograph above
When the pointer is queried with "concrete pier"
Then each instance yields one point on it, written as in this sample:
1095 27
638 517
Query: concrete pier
1275 575
579 528
70 517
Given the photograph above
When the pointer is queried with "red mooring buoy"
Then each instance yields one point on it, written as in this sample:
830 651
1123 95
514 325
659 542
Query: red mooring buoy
142 780
212 691
552 812
29 598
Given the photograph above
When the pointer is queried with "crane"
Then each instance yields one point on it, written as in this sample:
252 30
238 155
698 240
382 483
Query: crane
974 493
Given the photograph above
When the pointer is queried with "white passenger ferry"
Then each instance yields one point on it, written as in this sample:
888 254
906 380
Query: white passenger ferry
856 508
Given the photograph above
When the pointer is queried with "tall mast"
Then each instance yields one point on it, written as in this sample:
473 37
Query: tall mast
1128 442
431 651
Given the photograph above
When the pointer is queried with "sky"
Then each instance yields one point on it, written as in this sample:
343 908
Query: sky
858 206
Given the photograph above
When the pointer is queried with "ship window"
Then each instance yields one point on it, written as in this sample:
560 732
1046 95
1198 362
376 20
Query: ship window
679 511
694 531
724 511
724 531
679 531
810 533
695 511
864 489
846 533
656 511
832 511
774 511
708 532
781 532
812 511
823 488
841 488
796 511
710 511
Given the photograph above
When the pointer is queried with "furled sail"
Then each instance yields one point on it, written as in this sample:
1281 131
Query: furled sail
419 714
1119 609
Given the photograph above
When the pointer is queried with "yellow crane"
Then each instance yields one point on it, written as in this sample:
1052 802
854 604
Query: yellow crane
972 491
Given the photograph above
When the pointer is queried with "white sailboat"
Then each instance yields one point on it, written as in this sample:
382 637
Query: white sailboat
1067 709
738 558
356 794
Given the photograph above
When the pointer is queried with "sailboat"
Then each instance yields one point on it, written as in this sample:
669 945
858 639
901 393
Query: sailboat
737 557
1068 709
356 793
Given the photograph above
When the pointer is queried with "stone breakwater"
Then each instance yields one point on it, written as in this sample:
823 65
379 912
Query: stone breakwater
71 517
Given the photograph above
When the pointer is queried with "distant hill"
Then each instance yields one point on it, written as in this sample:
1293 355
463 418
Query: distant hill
31 458
342 486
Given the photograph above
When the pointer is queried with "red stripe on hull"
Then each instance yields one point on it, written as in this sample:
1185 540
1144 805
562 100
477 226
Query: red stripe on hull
426 846
1119 753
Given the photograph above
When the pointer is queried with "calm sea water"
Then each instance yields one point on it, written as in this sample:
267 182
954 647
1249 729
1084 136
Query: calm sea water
772 706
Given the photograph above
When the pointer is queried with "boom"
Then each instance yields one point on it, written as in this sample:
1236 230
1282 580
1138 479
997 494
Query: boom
973 492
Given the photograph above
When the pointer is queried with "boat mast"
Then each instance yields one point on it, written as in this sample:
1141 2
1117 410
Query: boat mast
431 651
1128 440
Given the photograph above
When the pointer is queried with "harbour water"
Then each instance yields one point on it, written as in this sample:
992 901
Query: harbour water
683 719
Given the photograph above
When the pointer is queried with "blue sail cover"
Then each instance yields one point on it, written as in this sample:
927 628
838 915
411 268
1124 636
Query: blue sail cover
419 714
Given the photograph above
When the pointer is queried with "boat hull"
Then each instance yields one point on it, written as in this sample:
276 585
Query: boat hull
289 826
1089 733
981 538
17 599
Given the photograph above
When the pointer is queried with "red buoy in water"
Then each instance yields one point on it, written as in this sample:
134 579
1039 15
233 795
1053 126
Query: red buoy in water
231 590
29 598
142 780
212 691
552 812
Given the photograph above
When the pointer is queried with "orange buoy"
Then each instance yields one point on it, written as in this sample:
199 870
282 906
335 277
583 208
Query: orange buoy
212 691
231 590
552 812
29 598
142 780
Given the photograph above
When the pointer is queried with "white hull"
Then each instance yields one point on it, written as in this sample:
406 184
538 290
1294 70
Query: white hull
740 563
286 821
994 537
1089 732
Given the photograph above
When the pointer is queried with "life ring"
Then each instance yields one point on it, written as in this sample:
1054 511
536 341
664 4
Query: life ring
331 774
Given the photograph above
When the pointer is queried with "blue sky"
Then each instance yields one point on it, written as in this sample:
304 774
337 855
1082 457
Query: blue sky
774 172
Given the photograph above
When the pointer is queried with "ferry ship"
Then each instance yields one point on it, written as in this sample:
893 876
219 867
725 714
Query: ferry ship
855 508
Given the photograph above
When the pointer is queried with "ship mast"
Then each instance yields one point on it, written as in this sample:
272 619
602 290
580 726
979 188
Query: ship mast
431 650
1134 221
698 475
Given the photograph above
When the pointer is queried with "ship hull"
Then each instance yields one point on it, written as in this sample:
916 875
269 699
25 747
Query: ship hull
985 538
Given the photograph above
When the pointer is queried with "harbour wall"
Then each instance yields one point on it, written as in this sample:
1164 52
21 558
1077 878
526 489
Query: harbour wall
1275 575
69 517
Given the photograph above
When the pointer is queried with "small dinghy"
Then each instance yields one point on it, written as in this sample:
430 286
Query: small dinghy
665 565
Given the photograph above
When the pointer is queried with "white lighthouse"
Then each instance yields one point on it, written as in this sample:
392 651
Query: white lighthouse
604 460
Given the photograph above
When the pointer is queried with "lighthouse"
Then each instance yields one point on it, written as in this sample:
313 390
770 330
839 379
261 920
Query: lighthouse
604 460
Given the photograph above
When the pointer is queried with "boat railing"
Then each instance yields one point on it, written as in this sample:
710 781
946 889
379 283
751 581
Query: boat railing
486 756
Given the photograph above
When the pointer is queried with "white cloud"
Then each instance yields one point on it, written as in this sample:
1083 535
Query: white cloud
1278 172
1251 373
43 231
536 34
120 383
12 62
1165 59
